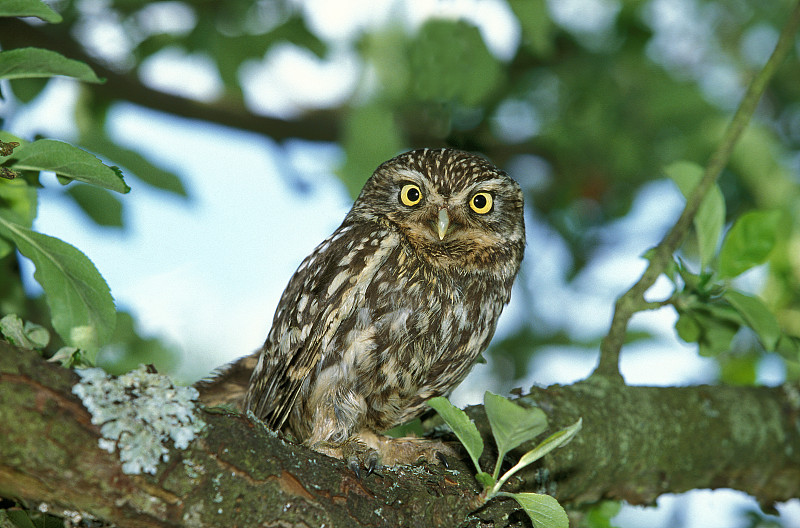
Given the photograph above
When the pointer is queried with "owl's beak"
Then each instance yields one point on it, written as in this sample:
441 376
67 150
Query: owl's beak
443 223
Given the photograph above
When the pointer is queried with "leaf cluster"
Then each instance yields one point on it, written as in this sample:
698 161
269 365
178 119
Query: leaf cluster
512 426
82 310
723 320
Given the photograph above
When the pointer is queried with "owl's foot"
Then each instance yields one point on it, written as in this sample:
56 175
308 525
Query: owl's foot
367 451
356 453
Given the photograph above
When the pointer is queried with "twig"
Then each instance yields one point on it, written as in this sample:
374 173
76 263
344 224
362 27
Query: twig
633 300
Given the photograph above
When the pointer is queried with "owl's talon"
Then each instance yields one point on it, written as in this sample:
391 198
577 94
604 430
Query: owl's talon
372 462
352 463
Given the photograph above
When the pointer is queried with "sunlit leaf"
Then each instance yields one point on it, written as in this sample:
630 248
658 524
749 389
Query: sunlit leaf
81 306
24 63
544 510
67 162
461 425
749 242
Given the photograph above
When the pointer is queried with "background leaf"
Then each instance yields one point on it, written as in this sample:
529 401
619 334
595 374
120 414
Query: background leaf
461 425
710 217
757 316
438 57
134 163
101 206
81 306
749 242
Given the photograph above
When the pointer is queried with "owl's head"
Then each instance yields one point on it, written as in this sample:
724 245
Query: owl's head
454 208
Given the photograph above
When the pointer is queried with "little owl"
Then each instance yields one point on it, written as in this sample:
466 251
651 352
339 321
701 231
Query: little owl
393 308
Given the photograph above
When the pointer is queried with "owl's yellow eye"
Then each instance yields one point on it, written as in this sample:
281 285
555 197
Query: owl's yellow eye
410 195
481 202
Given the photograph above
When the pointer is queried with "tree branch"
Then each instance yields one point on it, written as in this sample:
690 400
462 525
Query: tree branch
633 300
637 442
319 125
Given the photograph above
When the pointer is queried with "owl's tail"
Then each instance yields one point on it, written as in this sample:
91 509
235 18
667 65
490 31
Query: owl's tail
227 385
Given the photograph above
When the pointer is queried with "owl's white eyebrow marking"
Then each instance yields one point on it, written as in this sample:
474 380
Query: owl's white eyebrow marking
410 174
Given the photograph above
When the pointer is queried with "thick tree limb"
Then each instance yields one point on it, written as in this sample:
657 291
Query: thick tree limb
637 443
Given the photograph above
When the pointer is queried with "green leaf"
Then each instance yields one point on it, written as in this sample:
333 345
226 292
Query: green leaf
437 57
371 137
69 356
757 316
600 514
27 89
544 510
749 242
717 336
512 425
788 347
101 206
24 63
25 8
553 441
412 428
538 30
710 218
21 518
739 369
27 335
687 328
461 425
80 302
67 162
20 198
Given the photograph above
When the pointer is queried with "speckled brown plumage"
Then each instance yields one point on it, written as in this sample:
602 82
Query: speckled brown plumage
395 306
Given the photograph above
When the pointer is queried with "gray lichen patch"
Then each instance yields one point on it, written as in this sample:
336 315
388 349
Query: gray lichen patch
138 414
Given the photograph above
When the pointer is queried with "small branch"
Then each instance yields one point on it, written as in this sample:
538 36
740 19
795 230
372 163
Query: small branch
633 300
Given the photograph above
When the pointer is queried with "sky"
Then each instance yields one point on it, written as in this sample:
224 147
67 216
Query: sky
205 274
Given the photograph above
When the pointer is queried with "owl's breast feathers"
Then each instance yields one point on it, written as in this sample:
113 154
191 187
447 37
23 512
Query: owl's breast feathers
366 320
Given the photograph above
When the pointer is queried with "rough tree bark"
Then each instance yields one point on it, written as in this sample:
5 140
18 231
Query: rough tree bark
637 442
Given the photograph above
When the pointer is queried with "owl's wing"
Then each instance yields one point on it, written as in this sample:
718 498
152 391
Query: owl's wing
324 294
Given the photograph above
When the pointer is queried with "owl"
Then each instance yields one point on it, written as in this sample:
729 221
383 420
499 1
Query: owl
393 308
